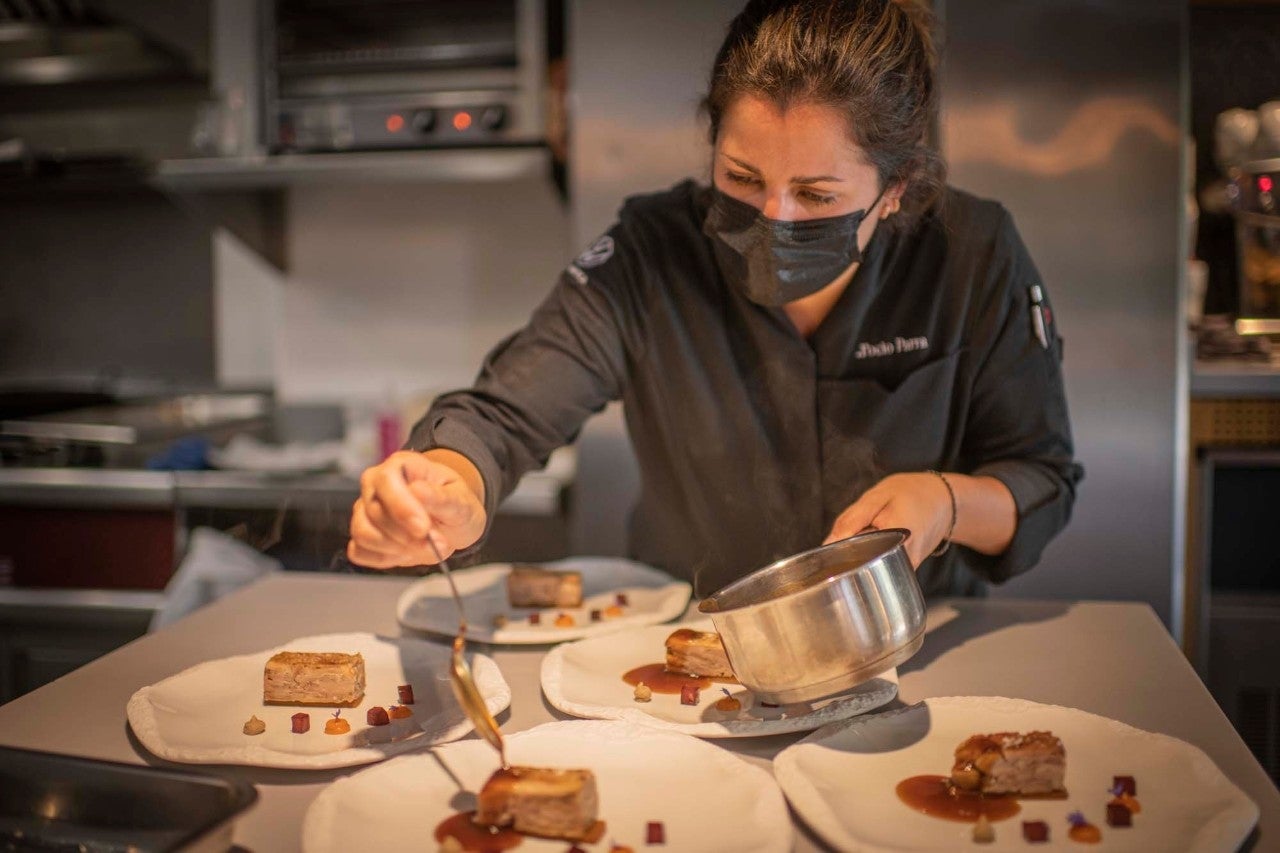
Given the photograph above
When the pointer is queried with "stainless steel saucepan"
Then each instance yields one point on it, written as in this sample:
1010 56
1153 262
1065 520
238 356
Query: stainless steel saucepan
822 621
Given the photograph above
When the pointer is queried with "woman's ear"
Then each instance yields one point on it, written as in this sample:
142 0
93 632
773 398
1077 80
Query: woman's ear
892 201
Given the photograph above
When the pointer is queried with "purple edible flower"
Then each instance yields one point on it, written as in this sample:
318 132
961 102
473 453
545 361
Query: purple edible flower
1077 819
1116 790
337 713
725 691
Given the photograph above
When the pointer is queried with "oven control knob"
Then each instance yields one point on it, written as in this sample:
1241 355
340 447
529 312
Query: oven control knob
493 118
424 121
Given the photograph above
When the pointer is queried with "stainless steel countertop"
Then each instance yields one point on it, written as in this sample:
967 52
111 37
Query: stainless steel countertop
1234 378
1114 659
537 494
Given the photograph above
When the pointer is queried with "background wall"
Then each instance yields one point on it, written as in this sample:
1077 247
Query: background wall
392 290
104 284
1071 115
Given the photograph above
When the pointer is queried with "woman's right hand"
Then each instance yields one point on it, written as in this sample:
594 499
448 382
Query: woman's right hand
410 496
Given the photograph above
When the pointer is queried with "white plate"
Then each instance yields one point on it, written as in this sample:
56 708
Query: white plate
197 715
585 679
652 597
841 780
706 798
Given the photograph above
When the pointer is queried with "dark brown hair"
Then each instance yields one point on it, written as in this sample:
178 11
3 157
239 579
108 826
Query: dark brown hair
873 60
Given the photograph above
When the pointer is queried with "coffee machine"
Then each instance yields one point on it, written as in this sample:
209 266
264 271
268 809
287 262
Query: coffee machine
1257 219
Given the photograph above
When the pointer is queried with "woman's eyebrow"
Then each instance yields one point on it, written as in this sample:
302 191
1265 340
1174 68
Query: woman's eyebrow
815 179
743 164
806 179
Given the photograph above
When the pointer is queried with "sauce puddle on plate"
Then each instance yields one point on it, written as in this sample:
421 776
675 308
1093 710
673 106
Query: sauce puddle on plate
474 837
937 797
659 680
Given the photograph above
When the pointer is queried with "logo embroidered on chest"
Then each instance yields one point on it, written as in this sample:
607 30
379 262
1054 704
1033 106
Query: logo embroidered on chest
898 345
600 251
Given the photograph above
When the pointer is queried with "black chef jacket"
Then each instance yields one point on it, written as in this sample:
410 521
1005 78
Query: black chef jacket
751 439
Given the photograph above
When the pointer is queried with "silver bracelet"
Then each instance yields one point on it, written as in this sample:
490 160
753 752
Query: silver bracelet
946 540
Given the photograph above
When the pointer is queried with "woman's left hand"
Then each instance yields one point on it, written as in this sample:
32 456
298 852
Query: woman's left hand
919 502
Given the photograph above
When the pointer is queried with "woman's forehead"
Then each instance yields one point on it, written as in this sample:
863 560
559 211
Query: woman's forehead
799 139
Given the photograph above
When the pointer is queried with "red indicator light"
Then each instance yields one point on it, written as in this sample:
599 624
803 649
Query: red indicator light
461 121
395 123
1264 183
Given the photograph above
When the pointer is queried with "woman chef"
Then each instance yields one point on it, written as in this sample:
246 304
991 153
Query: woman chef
824 339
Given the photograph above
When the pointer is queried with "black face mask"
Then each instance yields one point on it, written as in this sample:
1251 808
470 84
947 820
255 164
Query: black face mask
771 261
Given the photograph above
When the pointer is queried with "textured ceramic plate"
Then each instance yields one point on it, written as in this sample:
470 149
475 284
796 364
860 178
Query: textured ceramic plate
197 716
706 798
652 596
585 679
841 780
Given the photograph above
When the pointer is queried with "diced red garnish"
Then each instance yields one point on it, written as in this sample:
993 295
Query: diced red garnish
301 723
655 833
1124 785
595 615
406 694
535 618
688 694
1035 831
1119 815
377 716
620 599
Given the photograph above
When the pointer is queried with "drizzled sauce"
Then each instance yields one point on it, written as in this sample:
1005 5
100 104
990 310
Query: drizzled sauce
657 679
937 797
474 837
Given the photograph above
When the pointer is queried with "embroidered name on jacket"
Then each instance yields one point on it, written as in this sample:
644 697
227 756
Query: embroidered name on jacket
893 347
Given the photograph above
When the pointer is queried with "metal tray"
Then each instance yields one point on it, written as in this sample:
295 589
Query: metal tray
51 802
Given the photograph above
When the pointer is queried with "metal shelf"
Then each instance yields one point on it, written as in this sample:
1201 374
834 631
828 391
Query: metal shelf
286 170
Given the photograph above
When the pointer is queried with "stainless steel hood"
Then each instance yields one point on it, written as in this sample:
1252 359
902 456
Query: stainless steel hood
102 85
108 93
49 43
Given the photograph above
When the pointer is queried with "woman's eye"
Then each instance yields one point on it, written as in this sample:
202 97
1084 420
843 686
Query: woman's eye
745 180
816 198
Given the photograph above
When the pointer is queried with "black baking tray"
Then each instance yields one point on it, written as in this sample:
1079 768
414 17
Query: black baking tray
51 802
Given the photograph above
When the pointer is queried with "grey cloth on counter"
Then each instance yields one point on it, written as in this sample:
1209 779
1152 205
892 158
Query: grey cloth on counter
751 439
214 565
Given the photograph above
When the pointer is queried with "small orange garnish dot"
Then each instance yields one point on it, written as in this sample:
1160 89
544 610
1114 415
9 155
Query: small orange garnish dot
1130 802
1085 833
336 726
399 712
564 620
612 611
728 703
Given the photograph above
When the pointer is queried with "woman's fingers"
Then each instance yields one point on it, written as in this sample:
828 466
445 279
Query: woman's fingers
371 547
369 536
387 484
381 519
860 515
408 504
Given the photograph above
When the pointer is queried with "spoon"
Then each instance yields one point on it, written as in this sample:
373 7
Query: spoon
460 678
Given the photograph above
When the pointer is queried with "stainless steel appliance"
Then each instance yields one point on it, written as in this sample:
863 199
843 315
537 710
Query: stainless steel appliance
344 75
1257 220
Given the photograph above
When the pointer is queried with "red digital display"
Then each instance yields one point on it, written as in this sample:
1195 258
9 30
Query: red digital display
395 123
461 121
1264 183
